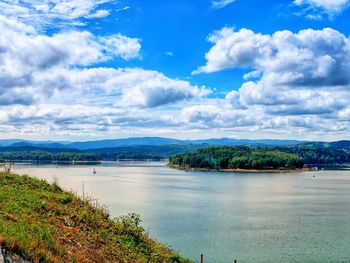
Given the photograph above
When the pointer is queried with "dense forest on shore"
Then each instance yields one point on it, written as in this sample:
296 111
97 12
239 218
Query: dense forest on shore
42 155
49 156
139 152
238 157
312 153
143 152
320 153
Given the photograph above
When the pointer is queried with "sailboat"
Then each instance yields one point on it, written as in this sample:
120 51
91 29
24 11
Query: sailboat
94 171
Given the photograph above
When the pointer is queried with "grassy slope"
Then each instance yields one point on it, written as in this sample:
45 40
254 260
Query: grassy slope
45 224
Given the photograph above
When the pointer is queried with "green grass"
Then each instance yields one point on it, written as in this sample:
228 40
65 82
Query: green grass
45 224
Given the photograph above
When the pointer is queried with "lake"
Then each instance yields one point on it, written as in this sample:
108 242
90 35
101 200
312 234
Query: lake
291 217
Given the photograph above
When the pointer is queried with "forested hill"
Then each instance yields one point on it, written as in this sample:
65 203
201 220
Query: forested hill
322 153
313 153
238 157
40 155
31 153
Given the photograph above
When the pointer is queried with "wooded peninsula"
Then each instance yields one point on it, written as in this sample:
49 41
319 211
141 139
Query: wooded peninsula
238 157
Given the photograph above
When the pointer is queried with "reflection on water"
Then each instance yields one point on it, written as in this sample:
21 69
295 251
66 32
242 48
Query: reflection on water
254 217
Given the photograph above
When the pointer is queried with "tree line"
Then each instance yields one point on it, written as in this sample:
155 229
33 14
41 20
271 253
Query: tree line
48 156
320 154
238 157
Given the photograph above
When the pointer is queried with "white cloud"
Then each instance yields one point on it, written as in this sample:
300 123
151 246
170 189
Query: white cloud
123 8
315 8
235 49
50 12
296 83
218 115
99 14
331 5
300 79
169 53
30 61
122 46
252 75
54 84
118 87
154 89
221 3
308 58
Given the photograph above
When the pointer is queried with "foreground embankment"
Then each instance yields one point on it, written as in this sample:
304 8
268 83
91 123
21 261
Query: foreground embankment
42 223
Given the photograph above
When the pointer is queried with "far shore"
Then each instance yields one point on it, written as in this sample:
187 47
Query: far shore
188 169
48 162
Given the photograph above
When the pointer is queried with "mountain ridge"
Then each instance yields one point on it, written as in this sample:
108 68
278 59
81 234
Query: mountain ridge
143 141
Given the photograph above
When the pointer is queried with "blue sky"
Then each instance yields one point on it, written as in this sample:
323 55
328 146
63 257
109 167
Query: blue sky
181 27
90 69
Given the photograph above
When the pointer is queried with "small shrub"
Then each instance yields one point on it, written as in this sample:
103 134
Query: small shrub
67 199
130 225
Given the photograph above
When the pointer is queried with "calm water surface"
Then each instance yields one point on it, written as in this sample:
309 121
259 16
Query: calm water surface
253 217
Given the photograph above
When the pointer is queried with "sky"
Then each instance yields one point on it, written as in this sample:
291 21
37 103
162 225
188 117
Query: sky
95 69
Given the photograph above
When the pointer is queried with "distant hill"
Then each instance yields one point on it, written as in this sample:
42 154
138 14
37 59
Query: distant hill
4 143
23 143
124 142
340 144
238 142
156 141
50 145
144 151
160 148
142 141
333 145
29 148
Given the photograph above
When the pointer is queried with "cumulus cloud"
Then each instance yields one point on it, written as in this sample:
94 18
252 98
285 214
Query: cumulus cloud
122 46
293 75
59 84
129 87
235 49
308 58
152 89
55 84
32 63
218 116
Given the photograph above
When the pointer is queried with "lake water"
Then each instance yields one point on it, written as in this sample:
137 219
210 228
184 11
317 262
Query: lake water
253 217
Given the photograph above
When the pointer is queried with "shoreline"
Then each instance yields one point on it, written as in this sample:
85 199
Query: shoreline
189 169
